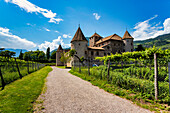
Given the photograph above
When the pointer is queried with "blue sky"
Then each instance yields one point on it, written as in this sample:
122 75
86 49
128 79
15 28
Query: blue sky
32 24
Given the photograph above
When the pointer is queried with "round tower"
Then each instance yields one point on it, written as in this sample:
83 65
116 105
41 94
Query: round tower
80 44
127 42
58 56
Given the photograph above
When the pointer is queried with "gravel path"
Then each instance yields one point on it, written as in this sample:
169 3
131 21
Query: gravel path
67 93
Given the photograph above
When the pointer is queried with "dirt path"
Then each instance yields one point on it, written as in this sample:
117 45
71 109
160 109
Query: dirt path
67 93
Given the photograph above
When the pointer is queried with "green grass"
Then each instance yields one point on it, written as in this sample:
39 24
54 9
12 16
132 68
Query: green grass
62 67
135 97
19 96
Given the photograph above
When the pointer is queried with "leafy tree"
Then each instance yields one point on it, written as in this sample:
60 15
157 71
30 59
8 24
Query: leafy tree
48 53
21 55
53 55
140 48
65 57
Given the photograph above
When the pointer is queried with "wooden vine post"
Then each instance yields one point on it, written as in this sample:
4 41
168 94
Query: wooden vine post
18 69
89 66
2 79
169 76
108 70
156 76
28 66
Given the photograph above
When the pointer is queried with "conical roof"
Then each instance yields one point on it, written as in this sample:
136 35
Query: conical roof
127 35
79 36
96 35
59 48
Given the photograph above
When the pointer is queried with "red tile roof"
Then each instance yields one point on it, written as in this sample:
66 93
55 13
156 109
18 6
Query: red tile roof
127 35
111 37
79 36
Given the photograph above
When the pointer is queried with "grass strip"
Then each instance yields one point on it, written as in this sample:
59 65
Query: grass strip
19 96
62 67
135 97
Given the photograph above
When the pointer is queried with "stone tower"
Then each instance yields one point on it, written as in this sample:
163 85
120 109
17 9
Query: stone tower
128 42
58 56
93 39
80 44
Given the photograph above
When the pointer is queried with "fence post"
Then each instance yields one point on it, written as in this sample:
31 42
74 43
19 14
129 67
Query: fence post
18 69
156 76
108 70
169 76
2 79
79 67
28 66
89 66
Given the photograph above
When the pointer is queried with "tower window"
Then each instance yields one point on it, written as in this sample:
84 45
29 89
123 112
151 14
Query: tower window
97 53
79 44
108 53
85 52
108 47
131 43
123 50
123 44
104 53
91 52
131 50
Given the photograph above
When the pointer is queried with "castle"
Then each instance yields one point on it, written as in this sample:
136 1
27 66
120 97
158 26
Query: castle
98 46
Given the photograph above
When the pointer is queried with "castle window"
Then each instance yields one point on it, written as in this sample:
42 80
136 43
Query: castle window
123 44
97 53
85 52
108 53
79 44
114 44
131 50
104 53
131 43
91 52
123 50
108 47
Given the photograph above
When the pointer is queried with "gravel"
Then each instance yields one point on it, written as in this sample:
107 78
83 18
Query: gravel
67 93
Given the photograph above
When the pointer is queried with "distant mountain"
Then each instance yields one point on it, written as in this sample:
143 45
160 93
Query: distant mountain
162 41
17 51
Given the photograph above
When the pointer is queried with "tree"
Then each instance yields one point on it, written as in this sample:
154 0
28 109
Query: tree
48 53
140 48
53 55
65 57
21 55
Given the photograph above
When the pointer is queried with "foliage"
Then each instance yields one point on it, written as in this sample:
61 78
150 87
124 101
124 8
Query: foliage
38 56
7 54
48 53
140 48
9 69
19 96
65 57
21 55
53 55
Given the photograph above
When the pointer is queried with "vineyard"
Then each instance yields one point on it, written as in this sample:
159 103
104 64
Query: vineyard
12 69
134 72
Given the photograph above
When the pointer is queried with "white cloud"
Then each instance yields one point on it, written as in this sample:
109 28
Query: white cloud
146 30
96 15
46 29
57 31
66 36
29 7
53 45
31 24
8 40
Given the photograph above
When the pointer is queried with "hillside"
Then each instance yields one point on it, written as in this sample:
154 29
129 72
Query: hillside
162 41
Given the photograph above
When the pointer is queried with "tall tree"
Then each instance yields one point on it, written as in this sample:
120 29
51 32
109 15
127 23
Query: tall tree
48 53
53 55
21 55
